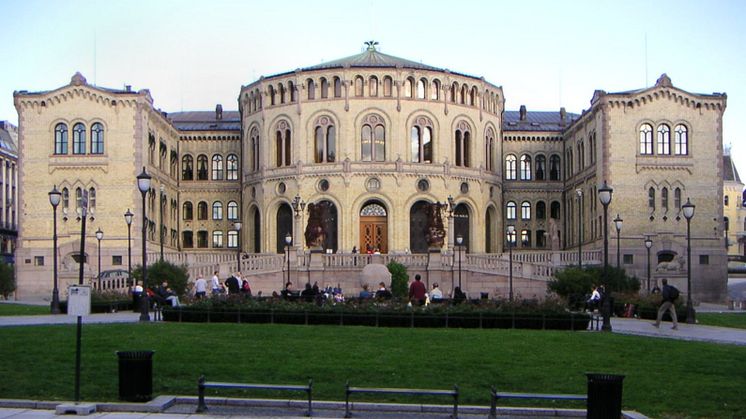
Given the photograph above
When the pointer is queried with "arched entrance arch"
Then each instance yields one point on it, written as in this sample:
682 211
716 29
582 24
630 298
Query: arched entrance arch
461 225
256 219
418 227
284 226
322 214
489 230
374 227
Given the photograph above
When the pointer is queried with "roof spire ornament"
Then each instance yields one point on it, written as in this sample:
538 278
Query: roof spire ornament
371 45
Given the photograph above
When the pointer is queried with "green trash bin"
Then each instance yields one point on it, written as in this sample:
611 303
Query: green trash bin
604 396
135 375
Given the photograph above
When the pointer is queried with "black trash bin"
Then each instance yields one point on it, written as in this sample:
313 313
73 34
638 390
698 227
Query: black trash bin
135 375
604 396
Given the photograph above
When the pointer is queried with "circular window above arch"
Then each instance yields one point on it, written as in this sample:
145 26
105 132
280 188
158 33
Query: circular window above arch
373 184
423 185
281 188
323 185
464 188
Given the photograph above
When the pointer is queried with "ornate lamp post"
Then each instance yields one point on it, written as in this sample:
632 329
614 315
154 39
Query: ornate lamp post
511 238
128 219
688 210
604 195
143 184
99 236
459 240
54 199
648 245
618 224
237 226
580 227
288 242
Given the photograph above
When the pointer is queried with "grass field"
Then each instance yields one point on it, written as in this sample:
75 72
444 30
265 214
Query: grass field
735 319
8 309
664 378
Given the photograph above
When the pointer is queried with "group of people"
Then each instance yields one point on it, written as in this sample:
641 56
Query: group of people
312 293
233 285
418 293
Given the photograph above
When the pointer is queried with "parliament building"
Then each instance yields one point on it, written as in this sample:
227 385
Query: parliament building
378 154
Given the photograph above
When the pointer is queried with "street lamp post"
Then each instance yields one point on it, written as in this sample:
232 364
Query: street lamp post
54 199
99 236
143 184
618 224
128 219
511 236
237 225
688 210
288 242
459 240
580 227
648 245
604 195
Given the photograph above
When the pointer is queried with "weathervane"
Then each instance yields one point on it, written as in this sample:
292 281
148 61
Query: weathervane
371 45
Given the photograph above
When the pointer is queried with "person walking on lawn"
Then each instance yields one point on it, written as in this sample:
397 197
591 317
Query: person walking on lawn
669 294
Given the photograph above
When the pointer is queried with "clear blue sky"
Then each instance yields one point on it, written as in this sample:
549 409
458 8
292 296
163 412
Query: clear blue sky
546 54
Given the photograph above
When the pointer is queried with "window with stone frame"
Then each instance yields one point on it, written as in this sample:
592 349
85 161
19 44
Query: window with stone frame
79 138
217 167
187 211
231 167
217 239
232 210
187 168
325 148
646 139
511 167
463 144
510 210
202 167
421 140
525 210
97 138
525 167
60 138
217 210
681 140
664 139
202 210
373 139
283 144
202 239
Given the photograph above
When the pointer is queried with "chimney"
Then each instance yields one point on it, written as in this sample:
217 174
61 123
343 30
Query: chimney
219 112
563 116
127 87
522 113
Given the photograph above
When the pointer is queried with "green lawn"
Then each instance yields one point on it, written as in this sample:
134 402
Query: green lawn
664 378
734 319
9 309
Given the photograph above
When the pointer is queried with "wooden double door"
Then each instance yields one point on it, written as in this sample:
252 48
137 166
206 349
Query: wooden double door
373 234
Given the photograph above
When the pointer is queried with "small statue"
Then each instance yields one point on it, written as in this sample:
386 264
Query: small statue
435 232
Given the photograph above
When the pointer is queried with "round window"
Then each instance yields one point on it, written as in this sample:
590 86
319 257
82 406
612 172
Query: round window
323 185
281 188
423 185
464 188
373 184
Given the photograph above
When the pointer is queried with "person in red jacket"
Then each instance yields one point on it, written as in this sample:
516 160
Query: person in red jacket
417 291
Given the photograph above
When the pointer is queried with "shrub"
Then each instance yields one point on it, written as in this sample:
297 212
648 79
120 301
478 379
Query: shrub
7 280
574 284
399 279
177 276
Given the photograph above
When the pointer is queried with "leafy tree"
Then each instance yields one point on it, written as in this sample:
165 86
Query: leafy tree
177 276
399 279
574 284
7 280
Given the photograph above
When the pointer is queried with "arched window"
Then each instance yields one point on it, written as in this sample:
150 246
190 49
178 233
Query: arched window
540 166
511 167
282 93
646 139
677 198
373 139
187 168
473 96
282 144
525 167
664 139
271 91
554 167
65 200
254 149
554 210
463 144
525 210
60 139
324 88
78 200
421 88
726 200
387 82
373 86
233 239
79 138
311 88
541 210
421 140
217 167
97 138
337 87
462 94
92 200
359 86
489 152
232 210
664 199
651 198
217 210
454 89
681 140
201 167
217 239
202 210
292 90
435 90
325 149
187 211
510 210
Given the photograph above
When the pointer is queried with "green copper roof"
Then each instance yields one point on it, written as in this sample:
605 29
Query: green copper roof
372 58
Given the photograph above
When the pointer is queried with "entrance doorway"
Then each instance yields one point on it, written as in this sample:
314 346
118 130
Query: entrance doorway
373 228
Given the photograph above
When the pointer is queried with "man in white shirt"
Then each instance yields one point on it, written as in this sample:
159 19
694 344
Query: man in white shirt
436 293
200 287
215 283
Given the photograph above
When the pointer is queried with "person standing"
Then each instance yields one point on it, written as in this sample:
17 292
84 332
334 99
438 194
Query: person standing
233 285
417 291
669 294
215 284
200 287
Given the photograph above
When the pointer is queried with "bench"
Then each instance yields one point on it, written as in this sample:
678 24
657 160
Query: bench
505 395
407 391
202 385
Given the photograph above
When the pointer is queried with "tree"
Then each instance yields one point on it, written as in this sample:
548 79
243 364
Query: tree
176 276
574 284
399 279
7 280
